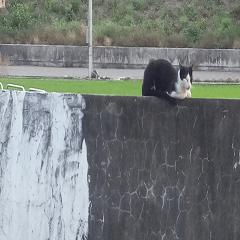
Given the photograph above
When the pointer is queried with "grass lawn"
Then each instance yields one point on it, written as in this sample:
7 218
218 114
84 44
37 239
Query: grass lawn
216 91
122 88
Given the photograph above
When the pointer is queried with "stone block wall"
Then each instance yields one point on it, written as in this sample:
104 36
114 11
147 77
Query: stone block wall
118 168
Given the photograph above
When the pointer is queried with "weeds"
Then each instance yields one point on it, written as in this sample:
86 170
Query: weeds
150 23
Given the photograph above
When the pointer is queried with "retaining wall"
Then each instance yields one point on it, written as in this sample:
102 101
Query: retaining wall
118 168
119 57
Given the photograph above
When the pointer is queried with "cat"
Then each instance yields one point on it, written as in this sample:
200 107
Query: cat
162 80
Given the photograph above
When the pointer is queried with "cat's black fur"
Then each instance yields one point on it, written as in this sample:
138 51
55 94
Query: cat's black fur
161 79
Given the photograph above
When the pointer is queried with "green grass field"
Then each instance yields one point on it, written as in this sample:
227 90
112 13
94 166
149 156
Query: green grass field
216 91
121 88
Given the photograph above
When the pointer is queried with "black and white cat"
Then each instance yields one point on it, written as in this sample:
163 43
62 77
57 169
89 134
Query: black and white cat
162 80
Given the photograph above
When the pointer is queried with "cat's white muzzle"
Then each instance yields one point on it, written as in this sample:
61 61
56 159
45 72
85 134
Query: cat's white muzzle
185 84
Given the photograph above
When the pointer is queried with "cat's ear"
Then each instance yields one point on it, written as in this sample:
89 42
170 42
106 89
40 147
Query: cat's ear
191 66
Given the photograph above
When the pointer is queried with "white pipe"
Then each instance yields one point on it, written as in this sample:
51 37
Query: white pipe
16 86
37 90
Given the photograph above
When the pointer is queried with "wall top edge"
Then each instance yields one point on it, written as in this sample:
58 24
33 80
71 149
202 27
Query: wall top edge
116 47
40 45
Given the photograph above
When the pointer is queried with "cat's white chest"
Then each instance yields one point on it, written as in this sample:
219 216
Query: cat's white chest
182 88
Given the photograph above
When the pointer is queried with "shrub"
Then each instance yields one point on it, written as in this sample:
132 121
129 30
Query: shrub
185 23
192 26
225 26
139 5
21 16
124 14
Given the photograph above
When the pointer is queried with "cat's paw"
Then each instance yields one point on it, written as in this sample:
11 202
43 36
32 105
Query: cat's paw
179 95
188 94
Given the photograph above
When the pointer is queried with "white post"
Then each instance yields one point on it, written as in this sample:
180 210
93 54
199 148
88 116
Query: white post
90 61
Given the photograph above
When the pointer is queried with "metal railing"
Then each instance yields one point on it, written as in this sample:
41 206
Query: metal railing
37 90
9 85
15 86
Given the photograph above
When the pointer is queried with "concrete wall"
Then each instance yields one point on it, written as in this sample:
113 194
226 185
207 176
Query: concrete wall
118 168
44 191
119 57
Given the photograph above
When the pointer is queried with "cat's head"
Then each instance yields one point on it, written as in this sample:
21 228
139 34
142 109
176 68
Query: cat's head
186 76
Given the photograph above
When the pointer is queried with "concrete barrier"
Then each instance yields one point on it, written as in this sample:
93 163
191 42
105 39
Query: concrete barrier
118 168
119 57
43 167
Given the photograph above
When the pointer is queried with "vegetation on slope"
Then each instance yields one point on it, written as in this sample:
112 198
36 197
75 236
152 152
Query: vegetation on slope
153 23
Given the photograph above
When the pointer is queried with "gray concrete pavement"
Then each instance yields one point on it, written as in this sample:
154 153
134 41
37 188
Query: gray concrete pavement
115 74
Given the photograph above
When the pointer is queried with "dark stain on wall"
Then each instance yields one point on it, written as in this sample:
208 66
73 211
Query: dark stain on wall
163 172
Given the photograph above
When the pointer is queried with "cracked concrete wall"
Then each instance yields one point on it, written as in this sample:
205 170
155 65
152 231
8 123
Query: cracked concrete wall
118 168
163 172
119 57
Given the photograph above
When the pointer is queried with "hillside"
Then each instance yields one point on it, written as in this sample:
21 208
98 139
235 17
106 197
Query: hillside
152 23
